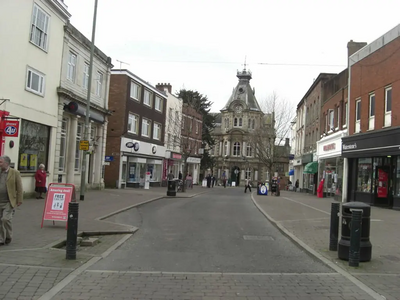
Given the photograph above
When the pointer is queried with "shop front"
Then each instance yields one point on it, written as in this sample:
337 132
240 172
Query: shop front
330 162
297 172
310 173
137 159
374 167
194 168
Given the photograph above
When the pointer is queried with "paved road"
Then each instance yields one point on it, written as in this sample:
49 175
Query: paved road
214 246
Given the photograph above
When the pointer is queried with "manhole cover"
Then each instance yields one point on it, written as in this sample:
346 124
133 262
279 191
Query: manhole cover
258 237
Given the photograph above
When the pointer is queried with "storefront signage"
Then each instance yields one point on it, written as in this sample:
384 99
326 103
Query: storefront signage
330 147
193 160
11 128
176 156
349 146
109 158
134 145
154 149
56 204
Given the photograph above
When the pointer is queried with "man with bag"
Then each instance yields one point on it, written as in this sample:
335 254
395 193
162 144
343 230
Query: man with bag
10 197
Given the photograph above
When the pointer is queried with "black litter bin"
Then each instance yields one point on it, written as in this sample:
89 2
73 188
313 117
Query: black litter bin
171 188
344 243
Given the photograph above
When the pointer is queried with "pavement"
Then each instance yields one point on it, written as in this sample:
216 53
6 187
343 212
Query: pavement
31 268
306 220
33 263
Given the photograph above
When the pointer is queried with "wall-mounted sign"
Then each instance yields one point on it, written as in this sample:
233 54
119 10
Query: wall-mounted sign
134 145
84 145
109 158
11 128
154 149
176 156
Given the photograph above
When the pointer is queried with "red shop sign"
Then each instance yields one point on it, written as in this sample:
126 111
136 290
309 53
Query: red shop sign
11 128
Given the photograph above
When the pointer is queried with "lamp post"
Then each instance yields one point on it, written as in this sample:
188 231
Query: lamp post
86 134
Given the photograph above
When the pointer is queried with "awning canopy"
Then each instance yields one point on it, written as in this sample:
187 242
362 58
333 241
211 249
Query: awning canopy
311 168
291 172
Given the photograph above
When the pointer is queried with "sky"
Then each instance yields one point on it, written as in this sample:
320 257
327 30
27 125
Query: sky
201 44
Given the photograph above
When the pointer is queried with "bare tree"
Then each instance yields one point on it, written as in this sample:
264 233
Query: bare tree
268 141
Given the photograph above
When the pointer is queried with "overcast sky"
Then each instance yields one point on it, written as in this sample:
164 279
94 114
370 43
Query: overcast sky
200 44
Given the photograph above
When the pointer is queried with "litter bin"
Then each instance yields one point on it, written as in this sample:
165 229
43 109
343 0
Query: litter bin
171 188
344 243
262 189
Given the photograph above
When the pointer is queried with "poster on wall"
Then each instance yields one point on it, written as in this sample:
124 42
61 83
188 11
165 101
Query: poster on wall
382 183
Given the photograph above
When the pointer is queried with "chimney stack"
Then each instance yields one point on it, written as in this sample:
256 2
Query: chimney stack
353 47
165 87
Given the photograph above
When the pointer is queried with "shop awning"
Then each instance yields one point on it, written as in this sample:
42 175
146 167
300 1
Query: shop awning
291 172
311 168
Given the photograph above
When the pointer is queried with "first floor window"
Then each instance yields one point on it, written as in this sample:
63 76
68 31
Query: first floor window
235 122
79 135
146 128
99 83
33 146
35 82
63 144
388 99
346 108
85 83
248 173
331 119
371 105
157 131
226 148
147 98
358 110
240 122
133 121
249 151
236 149
72 57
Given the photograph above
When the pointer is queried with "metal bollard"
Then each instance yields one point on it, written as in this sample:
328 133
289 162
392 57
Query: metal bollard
72 230
334 232
355 238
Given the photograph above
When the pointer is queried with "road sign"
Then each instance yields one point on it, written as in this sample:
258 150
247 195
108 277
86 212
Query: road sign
109 158
84 145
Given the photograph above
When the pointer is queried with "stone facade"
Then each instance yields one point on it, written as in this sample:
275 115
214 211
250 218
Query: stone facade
235 158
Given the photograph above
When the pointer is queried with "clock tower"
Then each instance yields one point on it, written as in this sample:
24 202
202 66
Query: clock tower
241 115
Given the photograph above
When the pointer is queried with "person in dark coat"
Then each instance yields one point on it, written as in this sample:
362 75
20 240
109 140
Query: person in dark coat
296 185
212 181
180 176
209 180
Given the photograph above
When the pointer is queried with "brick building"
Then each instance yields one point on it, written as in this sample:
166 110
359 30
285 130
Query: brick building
135 135
372 147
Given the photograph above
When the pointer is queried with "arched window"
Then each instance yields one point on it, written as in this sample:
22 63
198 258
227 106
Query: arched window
240 122
254 123
235 122
226 148
236 149
249 126
249 151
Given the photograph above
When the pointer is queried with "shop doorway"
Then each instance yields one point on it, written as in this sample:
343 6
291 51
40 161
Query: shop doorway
235 175
382 186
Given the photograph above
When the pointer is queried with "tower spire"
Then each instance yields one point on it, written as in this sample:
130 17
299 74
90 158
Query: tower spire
244 65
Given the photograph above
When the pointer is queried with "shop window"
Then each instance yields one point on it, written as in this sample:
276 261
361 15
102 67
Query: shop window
33 146
364 175
397 183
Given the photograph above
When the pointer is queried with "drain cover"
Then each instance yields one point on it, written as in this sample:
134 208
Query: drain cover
258 237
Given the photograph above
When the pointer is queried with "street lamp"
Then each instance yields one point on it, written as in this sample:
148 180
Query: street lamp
86 133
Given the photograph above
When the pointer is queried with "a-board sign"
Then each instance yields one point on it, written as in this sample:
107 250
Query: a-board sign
84 145
57 199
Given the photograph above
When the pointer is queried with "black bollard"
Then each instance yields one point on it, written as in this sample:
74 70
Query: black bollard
355 238
334 233
72 230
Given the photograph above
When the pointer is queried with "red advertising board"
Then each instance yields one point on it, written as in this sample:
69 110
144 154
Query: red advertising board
11 128
57 199
382 183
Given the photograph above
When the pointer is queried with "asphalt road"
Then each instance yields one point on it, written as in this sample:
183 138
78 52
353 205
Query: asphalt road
220 231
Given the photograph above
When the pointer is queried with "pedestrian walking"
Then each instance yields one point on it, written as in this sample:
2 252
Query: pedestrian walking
247 185
224 179
296 185
180 176
208 180
212 181
10 197
40 181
